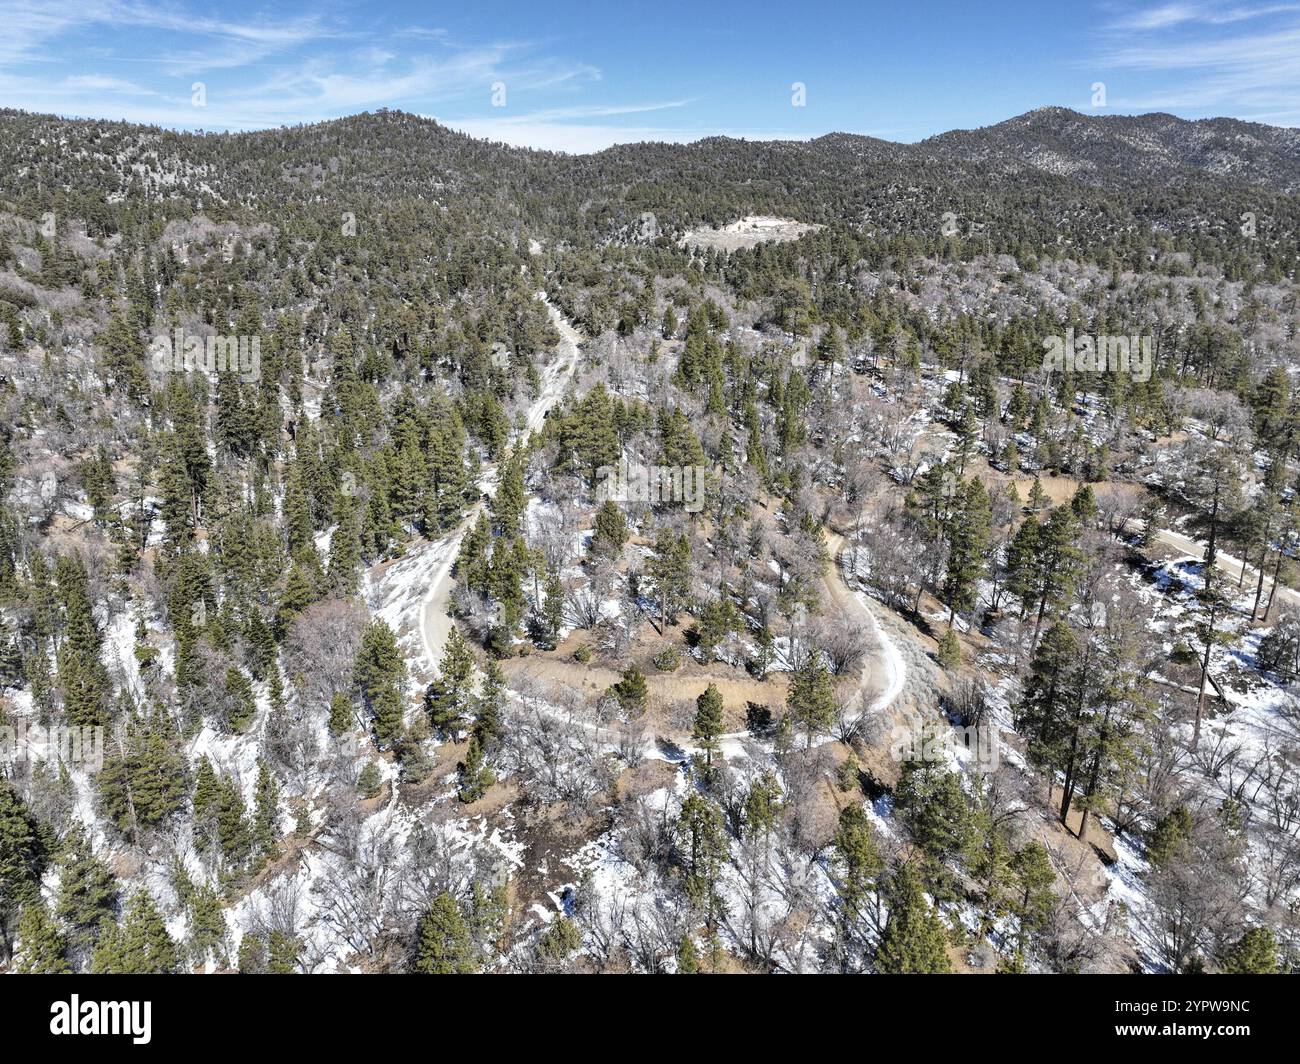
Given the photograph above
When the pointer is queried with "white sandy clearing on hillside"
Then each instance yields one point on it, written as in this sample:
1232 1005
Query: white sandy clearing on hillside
748 232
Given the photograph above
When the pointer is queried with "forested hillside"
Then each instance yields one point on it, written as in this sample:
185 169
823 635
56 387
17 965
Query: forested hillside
419 554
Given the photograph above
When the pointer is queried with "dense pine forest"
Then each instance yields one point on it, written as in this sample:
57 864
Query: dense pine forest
423 555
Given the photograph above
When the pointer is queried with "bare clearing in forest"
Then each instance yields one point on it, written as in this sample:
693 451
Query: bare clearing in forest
748 232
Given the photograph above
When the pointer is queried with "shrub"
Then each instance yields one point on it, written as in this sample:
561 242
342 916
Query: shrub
369 780
667 660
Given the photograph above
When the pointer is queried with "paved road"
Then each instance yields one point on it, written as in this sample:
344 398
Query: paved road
1229 564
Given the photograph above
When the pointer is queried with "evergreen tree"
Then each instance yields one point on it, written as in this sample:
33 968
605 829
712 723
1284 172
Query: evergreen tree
968 546
949 650
23 856
688 959
42 948
1032 902
369 780
967 430
810 699
298 593
450 481
449 699
233 830
668 328
1080 707
716 621
299 528
471 567
12 672
267 810
345 554
938 814
670 570
632 691
1151 520
708 721
488 726
143 782
442 942
762 803
559 941
1058 558
83 678
87 890
379 674
1083 504
590 432
510 499
123 356
553 609
1021 565
341 717
241 705
207 796
508 563
139 945
702 835
252 955
913 942
474 777
858 866
610 530
1167 837
208 937
1255 953
282 953
1214 606
1037 496
766 644
97 474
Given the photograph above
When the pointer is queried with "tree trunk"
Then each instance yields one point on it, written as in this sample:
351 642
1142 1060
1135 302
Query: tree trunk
1205 675
1068 785
1277 571
1259 584
1067 793
1214 531
1038 624
1094 776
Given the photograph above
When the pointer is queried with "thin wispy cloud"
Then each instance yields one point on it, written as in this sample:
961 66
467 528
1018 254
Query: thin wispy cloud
426 32
1205 59
31 26
608 111
286 71
1168 15
575 129
584 83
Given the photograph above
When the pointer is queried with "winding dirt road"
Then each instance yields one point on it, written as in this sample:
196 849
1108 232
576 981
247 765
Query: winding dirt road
883 673
435 617
884 668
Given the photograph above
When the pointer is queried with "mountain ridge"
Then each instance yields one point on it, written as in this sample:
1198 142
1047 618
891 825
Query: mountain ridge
1082 179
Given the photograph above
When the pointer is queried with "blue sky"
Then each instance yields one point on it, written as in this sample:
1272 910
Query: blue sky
578 76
